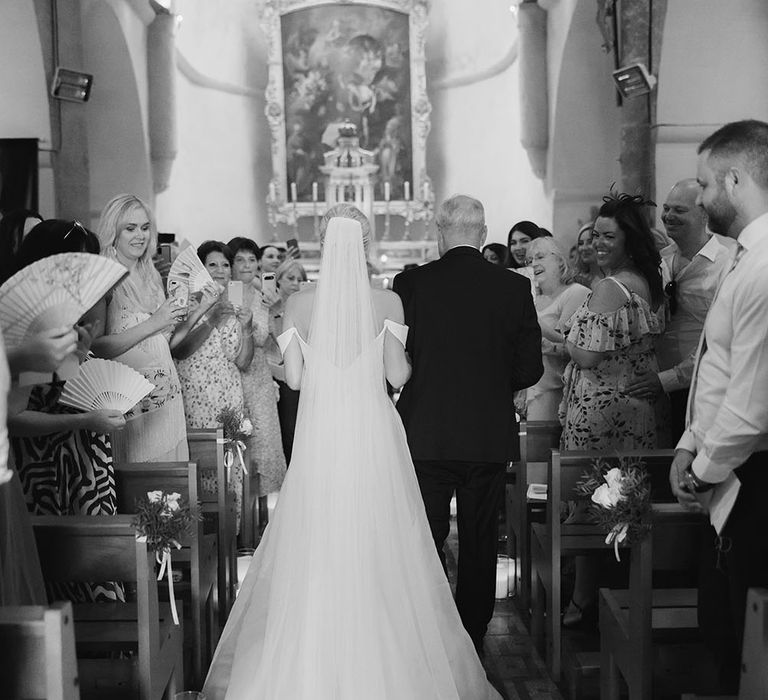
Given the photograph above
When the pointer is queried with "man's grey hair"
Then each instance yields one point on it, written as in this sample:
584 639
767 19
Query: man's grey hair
461 215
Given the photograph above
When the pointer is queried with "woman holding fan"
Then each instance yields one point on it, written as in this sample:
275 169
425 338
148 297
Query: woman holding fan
140 326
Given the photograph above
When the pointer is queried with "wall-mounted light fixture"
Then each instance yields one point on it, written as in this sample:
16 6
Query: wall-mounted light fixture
633 80
71 85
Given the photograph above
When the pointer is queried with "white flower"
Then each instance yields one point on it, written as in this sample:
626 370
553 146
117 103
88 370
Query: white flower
606 496
246 427
613 478
172 502
155 496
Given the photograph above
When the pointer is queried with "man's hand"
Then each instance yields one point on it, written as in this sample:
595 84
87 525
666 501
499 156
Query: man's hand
680 488
645 386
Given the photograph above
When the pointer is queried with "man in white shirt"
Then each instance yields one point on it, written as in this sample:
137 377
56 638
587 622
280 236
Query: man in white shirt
691 269
721 461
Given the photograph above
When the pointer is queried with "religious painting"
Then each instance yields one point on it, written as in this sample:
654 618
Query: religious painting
333 64
346 64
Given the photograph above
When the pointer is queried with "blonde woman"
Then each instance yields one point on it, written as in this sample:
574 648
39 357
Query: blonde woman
139 323
558 298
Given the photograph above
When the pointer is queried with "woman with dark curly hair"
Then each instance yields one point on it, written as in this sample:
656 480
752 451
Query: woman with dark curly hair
610 340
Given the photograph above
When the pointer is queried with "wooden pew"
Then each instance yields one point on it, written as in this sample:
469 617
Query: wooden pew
98 548
754 656
206 448
629 618
37 653
537 438
198 552
552 540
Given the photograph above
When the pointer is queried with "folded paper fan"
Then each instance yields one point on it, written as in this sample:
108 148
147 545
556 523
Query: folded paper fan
105 384
188 270
55 291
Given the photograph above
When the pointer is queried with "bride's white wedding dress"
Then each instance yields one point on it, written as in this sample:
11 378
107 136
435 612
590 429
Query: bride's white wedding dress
345 598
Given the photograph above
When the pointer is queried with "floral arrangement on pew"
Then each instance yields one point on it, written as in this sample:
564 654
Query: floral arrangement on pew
237 428
161 520
620 500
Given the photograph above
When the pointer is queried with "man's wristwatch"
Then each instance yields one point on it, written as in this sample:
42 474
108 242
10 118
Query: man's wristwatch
697 484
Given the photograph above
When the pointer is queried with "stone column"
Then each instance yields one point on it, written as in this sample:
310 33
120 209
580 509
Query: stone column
636 147
534 90
161 81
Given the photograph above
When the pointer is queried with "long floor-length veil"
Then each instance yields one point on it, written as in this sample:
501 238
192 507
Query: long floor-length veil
345 597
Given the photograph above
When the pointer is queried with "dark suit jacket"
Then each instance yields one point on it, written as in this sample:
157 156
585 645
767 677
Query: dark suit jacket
474 340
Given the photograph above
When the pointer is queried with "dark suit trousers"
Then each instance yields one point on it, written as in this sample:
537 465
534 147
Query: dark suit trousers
742 564
479 488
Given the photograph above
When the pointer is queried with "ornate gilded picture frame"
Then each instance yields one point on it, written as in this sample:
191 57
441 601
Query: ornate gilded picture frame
332 63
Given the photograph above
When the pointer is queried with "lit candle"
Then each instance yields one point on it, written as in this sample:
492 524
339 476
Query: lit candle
502 578
293 192
314 191
425 192
272 192
386 191
407 188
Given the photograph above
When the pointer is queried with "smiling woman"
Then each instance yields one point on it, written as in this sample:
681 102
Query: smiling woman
138 323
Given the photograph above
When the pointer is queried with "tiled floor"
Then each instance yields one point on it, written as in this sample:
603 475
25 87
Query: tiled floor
511 661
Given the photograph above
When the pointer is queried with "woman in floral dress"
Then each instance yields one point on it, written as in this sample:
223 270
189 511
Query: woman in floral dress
610 340
265 451
210 357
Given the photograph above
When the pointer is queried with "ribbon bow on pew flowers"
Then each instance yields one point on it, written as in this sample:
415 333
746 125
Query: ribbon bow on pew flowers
620 500
161 520
237 427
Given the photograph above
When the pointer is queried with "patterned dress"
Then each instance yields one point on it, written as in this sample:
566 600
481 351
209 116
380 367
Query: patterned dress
155 430
265 451
210 381
67 473
598 413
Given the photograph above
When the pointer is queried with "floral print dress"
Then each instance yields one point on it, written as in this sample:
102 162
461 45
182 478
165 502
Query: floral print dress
265 449
598 414
210 381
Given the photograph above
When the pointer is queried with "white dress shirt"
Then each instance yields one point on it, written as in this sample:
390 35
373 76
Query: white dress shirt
696 282
729 405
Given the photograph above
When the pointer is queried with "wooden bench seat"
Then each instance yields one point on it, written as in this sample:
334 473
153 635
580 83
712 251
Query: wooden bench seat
206 448
37 653
198 554
553 539
632 619
94 548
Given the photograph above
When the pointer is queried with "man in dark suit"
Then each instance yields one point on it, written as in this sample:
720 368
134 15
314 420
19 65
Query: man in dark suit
474 340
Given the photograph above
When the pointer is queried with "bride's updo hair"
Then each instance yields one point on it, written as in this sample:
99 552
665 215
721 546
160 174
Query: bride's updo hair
345 210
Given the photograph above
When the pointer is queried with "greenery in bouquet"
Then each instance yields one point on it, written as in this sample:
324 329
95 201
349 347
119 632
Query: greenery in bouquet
620 500
163 518
236 425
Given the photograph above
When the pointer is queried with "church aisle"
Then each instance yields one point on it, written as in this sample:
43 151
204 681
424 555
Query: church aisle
513 665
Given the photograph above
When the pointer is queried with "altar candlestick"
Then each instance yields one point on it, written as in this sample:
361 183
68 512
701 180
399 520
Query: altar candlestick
425 192
407 188
294 197
314 191
272 192
386 191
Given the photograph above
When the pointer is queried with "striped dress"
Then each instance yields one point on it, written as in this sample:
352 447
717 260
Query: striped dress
67 473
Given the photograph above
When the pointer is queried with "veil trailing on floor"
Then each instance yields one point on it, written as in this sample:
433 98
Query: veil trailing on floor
345 597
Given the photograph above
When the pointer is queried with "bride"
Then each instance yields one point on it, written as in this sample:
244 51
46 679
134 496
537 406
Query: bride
345 597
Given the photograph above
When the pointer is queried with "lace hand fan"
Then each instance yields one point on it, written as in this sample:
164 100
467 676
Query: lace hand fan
105 384
55 291
189 271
